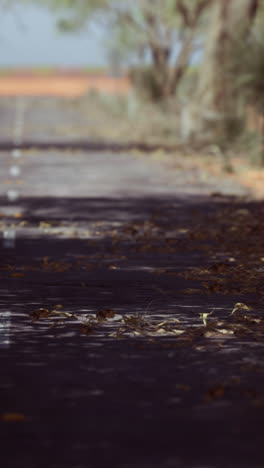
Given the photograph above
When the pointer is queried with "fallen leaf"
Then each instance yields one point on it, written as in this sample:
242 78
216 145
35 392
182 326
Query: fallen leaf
216 392
204 317
40 313
239 306
105 314
12 417
44 225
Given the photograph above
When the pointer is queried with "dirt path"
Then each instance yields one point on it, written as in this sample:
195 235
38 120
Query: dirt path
131 372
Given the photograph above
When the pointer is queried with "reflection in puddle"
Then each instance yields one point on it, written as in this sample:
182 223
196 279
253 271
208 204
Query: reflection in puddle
12 195
15 171
9 239
5 325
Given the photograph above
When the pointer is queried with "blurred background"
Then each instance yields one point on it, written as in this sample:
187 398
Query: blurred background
162 72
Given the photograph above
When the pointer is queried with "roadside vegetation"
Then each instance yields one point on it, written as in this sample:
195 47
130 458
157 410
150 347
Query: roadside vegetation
196 68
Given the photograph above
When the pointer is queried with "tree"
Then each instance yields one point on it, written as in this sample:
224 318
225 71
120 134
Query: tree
161 32
215 103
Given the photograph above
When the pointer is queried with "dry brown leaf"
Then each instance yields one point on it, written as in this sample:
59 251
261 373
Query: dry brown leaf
216 392
104 314
12 417
239 306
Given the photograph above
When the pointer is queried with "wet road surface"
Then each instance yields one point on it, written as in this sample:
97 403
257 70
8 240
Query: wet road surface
112 231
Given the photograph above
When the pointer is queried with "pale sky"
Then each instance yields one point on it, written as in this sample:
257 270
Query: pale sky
28 37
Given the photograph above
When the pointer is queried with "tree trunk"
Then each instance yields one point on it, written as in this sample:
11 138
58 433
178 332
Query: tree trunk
160 59
215 104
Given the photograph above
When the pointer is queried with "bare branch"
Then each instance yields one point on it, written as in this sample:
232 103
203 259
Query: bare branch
200 8
253 9
190 20
184 12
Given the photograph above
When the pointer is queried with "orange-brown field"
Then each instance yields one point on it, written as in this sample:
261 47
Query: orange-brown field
68 84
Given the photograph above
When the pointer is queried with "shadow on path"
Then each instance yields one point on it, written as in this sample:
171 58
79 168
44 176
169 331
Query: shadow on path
94 400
